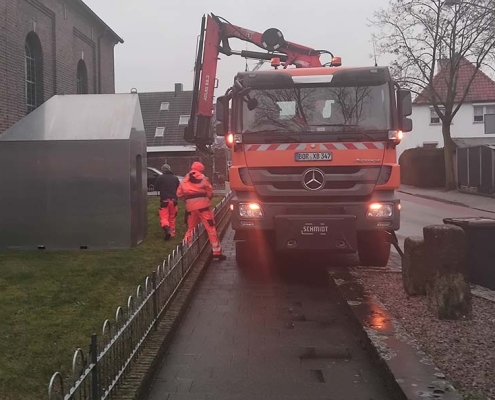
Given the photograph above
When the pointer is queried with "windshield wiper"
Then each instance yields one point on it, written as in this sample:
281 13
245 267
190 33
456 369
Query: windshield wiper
350 132
357 133
332 125
283 137
275 135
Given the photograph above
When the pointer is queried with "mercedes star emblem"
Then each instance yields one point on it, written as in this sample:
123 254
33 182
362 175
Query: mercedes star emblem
313 179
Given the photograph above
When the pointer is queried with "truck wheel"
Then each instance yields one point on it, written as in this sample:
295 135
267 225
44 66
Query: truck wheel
373 248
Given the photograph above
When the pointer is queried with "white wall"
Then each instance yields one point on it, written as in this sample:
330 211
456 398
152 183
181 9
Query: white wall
423 131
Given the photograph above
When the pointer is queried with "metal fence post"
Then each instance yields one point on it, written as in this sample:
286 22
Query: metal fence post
181 251
94 371
155 299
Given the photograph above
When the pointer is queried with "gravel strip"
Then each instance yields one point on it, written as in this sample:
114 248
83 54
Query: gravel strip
463 350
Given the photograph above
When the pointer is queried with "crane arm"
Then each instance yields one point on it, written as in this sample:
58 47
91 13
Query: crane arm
213 41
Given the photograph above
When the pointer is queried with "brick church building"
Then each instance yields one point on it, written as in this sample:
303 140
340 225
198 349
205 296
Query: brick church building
50 47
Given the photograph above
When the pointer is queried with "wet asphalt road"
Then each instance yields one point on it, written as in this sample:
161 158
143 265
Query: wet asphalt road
418 212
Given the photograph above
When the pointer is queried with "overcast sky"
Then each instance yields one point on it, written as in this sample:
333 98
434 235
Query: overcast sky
160 35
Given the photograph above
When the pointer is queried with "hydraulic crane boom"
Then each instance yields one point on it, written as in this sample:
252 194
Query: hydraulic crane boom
214 40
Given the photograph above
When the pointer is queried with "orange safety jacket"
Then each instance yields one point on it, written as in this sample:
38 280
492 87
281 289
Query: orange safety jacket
196 190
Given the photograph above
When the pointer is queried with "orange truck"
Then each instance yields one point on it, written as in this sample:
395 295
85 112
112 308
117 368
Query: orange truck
313 146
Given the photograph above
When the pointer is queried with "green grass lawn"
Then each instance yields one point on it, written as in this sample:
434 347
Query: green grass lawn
51 302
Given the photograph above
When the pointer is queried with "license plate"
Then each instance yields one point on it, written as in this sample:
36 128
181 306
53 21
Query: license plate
313 156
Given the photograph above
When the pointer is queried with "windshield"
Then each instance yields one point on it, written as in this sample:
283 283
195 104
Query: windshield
319 109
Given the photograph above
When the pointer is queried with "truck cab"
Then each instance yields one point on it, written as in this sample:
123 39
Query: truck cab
314 163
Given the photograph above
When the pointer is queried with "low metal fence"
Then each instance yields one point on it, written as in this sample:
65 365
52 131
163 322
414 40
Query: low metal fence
98 373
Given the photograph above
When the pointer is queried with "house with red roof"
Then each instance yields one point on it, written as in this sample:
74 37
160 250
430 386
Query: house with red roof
467 124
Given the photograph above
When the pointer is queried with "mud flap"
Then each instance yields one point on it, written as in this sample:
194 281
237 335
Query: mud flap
333 233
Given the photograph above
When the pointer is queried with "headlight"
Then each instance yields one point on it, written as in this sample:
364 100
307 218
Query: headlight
250 210
379 210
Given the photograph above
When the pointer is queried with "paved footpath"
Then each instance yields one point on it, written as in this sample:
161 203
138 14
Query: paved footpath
266 336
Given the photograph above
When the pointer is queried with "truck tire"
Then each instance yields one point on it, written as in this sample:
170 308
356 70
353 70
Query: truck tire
373 248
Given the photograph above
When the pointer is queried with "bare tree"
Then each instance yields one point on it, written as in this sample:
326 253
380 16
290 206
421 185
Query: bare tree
351 102
421 34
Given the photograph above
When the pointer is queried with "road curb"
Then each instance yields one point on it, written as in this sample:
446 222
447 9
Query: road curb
409 372
440 200
139 382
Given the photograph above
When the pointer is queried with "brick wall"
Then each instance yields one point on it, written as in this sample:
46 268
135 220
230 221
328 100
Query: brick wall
67 34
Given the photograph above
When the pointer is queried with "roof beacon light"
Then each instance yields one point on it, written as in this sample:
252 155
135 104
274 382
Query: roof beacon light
336 61
275 62
310 79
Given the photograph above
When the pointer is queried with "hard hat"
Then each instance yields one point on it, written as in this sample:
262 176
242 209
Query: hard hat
197 166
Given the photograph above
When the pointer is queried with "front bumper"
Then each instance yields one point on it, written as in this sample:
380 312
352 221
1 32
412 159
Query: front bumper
314 226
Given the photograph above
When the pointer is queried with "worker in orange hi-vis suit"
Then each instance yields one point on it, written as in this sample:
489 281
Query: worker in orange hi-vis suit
196 190
167 185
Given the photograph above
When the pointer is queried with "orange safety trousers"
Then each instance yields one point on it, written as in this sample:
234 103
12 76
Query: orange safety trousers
168 214
207 217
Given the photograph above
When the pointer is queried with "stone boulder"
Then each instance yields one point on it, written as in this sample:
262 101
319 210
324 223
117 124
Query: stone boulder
415 271
448 289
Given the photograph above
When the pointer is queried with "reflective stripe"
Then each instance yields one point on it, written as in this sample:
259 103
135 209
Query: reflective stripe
196 199
323 146
195 195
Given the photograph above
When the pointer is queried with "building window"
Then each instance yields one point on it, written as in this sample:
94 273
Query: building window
434 118
159 132
481 110
183 120
82 78
33 68
164 106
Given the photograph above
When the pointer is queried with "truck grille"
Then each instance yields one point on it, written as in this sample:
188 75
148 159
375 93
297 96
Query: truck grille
299 185
342 182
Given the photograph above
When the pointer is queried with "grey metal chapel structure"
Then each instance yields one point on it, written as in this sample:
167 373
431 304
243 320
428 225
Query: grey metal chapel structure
73 175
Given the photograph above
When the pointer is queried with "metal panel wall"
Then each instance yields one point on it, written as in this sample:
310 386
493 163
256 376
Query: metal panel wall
486 170
138 188
68 185
462 167
474 167
71 195
23 200
138 179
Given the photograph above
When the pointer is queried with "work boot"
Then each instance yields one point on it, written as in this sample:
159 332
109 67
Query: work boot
166 231
220 257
